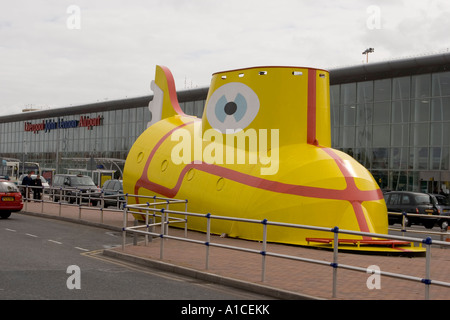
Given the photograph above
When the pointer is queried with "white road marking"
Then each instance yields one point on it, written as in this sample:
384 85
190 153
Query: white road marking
31 235
57 242
10 230
82 249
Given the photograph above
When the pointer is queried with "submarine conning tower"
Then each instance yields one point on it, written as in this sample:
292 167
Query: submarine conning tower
294 100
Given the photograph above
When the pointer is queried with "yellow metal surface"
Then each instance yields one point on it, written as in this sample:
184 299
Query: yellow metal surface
262 150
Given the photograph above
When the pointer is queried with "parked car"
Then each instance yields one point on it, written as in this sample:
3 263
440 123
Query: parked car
113 188
413 202
10 199
444 209
71 186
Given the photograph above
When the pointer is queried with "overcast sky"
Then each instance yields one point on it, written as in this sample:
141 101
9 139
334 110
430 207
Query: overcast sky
58 53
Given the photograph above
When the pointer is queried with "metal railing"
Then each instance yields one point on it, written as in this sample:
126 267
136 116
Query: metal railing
156 213
405 228
92 201
150 211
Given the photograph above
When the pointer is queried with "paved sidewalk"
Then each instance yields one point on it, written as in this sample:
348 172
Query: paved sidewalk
284 279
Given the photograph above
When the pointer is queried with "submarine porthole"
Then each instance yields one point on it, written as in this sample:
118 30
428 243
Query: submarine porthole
220 183
140 157
164 165
190 174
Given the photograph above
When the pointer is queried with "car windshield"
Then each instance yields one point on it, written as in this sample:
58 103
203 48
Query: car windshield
82 181
442 201
423 199
8 187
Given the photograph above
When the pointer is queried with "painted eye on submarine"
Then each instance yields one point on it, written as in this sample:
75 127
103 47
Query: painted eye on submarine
232 107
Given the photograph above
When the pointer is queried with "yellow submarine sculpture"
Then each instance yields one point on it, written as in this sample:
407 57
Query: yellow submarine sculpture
262 150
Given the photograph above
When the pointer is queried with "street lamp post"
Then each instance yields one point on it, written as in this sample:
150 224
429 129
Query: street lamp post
366 52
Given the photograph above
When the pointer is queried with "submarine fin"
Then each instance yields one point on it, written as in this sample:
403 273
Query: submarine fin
165 102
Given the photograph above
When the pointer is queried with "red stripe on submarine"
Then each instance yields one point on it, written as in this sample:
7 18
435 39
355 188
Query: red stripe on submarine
262 150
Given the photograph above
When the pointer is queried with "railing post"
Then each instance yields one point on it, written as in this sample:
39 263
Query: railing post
427 281
161 249
146 224
42 199
102 199
404 217
79 204
208 238
26 198
124 227
185 218
263 251
335 259
60 200
167 218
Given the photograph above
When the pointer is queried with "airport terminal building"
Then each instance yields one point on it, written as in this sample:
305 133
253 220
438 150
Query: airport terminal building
393 117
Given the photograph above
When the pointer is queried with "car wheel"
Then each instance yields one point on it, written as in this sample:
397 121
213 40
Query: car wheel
5 215
429 225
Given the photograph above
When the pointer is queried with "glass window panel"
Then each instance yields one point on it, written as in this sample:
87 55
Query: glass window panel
335 94
334 136
348 93
445 133
419 134
421 86
334 115
398 180
140 127
382 90
348 115
189 107
106 116
445 158
400 111
381 137
360 155
117 118
364 114
199 107
348 137
380 158
400 135
421 110
435 158
401 88
436 138
381 112
365 92
111 135
440 109
125 116
399 158
133 115
441 84
419 158
363 136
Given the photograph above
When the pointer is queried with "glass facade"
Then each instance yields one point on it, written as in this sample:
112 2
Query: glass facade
398 128
62 148
394 120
